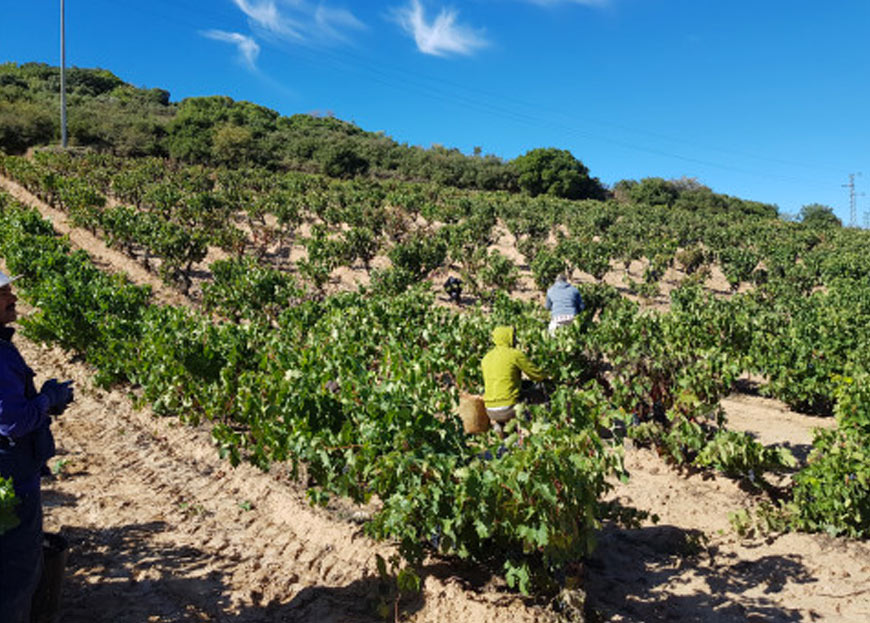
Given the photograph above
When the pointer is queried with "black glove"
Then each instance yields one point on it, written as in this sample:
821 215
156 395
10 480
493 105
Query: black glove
59 395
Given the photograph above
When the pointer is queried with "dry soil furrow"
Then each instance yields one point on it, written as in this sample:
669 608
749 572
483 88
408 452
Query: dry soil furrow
160 529
100 253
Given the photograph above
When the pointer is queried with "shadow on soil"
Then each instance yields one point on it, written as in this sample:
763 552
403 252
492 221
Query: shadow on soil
123 574
639 574
127 575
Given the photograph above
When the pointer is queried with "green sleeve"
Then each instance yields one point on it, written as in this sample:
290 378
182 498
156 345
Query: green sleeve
532 371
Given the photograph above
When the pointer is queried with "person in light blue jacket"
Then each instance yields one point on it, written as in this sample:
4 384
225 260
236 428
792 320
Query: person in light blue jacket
26 444
564 302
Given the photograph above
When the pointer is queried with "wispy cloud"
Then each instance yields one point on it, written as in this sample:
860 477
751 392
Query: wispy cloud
336 22
443 36
249 50
298 21
287 21
264 15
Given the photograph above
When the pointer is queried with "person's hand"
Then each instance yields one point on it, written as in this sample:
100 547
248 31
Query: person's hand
59 395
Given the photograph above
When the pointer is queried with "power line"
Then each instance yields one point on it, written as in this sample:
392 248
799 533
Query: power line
423 85
853 204
440 89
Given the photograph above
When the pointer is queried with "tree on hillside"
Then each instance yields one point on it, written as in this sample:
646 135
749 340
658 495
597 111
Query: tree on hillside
340 159
23 124
686 194
819 216
92 82
551 171
653 191
232 145
192 131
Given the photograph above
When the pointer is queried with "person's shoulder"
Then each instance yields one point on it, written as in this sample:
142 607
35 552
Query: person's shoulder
11 361
8 349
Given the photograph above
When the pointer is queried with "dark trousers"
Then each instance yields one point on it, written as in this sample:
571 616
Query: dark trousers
21 560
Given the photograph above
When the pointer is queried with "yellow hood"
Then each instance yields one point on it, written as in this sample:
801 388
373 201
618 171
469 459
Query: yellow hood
503 336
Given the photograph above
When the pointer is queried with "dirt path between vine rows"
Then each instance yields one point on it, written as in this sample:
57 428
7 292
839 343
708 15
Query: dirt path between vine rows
162 530
692 565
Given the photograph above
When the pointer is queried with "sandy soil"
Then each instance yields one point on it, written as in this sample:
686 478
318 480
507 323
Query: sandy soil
692 566
162 530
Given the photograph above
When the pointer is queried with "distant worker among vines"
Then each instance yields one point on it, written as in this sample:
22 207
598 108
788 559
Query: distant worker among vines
453 287
503 367
26 443
564 302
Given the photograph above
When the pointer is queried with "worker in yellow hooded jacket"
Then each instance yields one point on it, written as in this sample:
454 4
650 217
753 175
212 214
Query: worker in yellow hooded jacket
502 369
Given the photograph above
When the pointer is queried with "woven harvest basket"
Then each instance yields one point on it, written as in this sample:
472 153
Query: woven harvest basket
472 411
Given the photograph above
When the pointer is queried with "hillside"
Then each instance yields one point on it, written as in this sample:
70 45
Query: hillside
271 289
161 529
107 114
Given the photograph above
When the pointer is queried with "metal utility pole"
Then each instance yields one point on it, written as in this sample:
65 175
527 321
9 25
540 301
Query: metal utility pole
63 139
853 207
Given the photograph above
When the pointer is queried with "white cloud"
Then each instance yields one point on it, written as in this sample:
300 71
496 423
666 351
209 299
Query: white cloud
298 20
293 21
249 50
441 37
265 15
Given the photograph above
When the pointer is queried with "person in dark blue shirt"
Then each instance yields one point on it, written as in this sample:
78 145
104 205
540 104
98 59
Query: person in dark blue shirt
453 287
26 443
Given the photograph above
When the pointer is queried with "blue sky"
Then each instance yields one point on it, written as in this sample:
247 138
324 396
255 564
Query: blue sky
760 99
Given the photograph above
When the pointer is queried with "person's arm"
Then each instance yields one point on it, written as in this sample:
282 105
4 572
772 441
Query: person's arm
549 302
530 369
578 301
19 415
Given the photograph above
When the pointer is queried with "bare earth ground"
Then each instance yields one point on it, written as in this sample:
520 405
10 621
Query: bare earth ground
162 530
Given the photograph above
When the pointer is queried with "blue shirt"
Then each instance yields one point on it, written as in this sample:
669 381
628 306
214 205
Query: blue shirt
22 410
563 299
24 421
